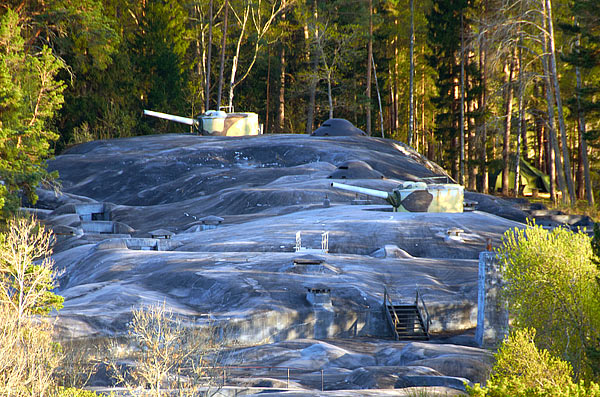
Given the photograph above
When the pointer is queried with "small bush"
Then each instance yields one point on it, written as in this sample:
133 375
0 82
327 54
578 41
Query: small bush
551 286
74 392
522 369
167 354
28 355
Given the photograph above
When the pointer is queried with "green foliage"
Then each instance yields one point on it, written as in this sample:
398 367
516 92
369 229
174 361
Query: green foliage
514 387
29 97
522 369
551 286
518 357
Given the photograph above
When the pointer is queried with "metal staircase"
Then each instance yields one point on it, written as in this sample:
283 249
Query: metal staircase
408 321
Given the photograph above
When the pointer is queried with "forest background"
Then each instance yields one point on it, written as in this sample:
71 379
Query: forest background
471 84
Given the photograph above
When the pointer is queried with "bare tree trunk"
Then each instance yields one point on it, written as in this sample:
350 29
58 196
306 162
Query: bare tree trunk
555 152
395 105
281 108
200 54
483 59
540 153
369 61
521 116
411 111
390 108
461 177
508 70
310 117
378 98
561 120
209 55
222 62
540 148
583 144
556 168
237 56
550 157
423 127
579 180
472 152
268 101
329 96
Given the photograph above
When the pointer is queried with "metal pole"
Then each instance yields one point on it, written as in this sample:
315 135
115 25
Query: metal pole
322 384
288 379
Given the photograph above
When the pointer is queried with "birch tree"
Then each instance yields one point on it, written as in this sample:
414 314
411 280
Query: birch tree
27 274
260 14
525 24
561 119
333 44
222 56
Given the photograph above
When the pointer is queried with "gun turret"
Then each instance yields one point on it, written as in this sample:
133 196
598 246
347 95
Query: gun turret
416 196
217 122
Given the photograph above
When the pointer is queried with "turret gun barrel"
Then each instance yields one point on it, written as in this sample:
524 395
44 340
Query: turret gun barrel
362 190
416 196
177 119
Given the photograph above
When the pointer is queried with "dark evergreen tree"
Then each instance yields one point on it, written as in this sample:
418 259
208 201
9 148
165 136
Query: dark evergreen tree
444 39
584 57
29 98
159 48
585 54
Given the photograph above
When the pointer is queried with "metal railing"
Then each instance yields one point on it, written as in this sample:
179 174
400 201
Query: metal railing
387 302
226 375
427 319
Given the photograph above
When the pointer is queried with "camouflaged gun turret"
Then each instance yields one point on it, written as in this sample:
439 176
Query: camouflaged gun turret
216 122
416 196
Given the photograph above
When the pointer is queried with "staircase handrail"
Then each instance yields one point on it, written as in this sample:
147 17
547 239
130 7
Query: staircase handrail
419 297
394 322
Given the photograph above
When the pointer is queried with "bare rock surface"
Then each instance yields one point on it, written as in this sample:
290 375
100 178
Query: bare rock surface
229 211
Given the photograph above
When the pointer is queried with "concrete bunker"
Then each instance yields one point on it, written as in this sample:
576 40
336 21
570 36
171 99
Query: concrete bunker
137 244
319 295
161 234
210 222
338 127
93 211
143 244
105 227
355 169
309 264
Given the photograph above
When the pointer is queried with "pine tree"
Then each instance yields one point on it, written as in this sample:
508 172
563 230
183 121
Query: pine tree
444 32
585 58
29 98
159 49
